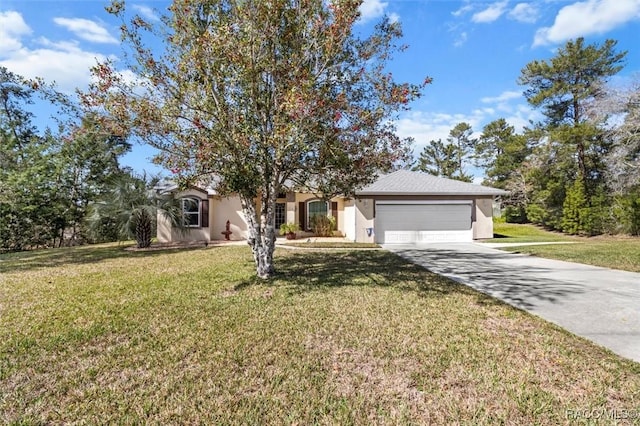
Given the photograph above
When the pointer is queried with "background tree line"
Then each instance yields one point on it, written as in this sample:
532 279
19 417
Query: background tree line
64 185
578 169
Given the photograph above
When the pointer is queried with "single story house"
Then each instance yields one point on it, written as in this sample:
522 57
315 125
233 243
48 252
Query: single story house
400 207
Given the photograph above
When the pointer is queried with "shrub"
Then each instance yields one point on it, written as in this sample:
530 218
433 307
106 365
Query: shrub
515 214
323 226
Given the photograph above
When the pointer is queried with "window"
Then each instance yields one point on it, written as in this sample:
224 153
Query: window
281 214
316 208
191 212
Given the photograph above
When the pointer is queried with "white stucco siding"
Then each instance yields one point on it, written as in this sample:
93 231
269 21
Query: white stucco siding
365 233
223 209
483 223
349 220
165 233
163 229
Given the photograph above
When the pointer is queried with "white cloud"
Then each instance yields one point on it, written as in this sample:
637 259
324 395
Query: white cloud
462 39
146 12
425 126
587 17
86 29
372 9
12 28
502 97
491 13
464 9
394 17
524 12
63 62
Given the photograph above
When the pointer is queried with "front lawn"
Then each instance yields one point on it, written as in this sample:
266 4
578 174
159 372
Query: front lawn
100 335
615 253
527 233
610 252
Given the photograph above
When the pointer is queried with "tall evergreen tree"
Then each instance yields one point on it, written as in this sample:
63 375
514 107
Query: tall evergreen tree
564 86
48 178
500 151
86 162
572 141
438 159
30 204
460 137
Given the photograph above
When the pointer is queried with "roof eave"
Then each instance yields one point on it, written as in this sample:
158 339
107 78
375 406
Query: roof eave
448 193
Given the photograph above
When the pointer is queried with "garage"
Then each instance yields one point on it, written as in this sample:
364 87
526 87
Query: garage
411 222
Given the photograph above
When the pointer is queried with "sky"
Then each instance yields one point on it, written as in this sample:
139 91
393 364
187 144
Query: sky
473 50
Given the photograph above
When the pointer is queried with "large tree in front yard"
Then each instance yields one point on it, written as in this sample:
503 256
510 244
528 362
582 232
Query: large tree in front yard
259 93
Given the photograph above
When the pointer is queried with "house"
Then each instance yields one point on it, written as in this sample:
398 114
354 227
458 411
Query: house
400 207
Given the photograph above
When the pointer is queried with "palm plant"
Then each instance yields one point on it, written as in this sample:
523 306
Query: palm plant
132 206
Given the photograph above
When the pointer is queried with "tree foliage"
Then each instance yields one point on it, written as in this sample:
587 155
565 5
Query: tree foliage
563 88
47 176
460 137
571 144
500 151
438 159
30 205
448 159
258 94
130 206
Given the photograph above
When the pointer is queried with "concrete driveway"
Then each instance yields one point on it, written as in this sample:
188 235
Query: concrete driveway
602 305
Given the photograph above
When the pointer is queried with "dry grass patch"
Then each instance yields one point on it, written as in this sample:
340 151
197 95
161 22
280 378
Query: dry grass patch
358 337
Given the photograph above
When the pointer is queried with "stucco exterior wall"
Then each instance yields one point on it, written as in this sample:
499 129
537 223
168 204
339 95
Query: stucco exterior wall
355 216
364 230
483 223
166 234
163 229
349 219
223 209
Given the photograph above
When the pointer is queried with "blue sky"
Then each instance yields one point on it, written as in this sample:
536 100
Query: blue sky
474 50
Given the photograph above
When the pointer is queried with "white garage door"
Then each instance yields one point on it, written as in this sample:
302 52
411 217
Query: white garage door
398 223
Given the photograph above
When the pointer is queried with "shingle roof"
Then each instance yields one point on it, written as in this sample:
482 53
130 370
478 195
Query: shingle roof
405 182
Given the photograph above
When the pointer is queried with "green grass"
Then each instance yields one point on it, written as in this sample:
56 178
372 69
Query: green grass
615 253
609 252
516 233
100 335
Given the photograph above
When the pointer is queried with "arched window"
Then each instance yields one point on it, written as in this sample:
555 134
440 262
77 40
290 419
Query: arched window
191 212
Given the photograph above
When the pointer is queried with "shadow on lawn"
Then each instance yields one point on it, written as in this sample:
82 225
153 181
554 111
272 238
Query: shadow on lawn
307 271
60 257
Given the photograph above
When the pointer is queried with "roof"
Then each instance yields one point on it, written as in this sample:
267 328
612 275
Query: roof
406 182
168 186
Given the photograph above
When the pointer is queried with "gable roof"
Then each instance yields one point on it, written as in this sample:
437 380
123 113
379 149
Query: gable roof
167 187
406 182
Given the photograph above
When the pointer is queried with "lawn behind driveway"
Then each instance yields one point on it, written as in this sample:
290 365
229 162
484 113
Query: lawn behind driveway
103 335
615 252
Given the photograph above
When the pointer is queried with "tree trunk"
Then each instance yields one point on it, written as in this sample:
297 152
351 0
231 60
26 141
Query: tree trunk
262 237
143 229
